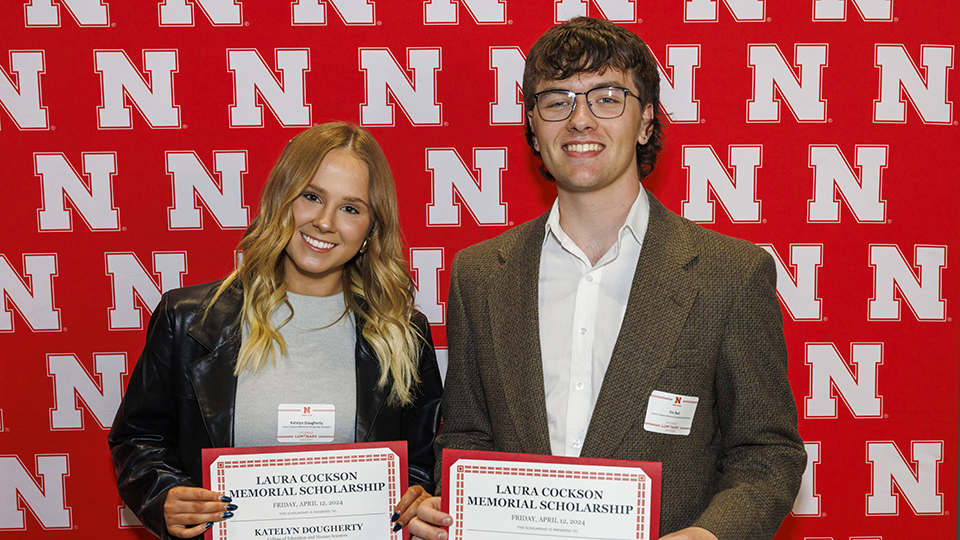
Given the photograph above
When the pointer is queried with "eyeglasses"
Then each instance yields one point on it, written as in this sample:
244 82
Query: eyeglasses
604 102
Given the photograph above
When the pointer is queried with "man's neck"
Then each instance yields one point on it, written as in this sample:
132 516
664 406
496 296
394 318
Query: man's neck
593 219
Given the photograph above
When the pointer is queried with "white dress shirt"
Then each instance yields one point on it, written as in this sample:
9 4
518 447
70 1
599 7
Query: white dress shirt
581 310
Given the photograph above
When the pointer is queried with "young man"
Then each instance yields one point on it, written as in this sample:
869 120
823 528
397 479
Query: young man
561 329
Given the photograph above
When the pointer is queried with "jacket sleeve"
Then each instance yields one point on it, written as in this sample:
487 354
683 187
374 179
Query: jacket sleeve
421 422
466 421
143 438
762 458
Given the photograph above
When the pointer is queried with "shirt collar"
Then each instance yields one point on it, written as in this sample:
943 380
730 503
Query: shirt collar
635 224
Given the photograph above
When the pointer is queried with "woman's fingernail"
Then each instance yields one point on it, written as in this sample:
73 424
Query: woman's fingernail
227 515
397 527
231 507
394 517
225 499
208 525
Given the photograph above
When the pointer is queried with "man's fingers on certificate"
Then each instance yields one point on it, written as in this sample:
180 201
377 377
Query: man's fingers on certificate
690 533
427 525
406 509
188 511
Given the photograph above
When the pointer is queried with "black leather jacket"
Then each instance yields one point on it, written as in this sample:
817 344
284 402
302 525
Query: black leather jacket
182 392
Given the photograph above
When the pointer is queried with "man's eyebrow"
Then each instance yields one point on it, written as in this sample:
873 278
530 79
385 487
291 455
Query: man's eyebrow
601 84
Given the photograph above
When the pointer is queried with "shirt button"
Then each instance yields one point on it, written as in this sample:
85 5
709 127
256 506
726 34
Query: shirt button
583 331
577 443
579 386
589 278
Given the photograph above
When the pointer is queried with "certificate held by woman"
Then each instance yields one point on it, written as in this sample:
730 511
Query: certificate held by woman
309 492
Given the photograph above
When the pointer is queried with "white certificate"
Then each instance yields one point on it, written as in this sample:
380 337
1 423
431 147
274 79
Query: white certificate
496 495
308 492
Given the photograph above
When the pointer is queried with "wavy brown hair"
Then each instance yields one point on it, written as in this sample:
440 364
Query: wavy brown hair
586 45
377 285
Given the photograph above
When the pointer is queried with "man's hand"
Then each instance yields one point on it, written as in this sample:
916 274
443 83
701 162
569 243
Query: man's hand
406 509
427 525
690 533
189 511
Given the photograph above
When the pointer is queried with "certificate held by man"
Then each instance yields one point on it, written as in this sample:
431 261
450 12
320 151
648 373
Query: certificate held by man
493 495
308 492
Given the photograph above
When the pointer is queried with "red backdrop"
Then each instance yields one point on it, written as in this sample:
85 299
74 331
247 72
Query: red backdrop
136 137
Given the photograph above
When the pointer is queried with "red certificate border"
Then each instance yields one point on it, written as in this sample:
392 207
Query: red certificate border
209 455
651 469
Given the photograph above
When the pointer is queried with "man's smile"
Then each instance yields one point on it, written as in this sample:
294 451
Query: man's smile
583 147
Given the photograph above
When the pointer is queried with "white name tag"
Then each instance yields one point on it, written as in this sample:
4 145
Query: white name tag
671 414
305 423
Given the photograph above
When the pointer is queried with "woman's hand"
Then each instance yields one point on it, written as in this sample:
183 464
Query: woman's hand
407 507
189 511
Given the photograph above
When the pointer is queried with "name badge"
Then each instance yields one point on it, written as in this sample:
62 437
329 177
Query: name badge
299 423
671 414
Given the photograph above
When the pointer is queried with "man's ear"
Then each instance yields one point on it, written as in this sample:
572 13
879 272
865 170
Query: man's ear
646 124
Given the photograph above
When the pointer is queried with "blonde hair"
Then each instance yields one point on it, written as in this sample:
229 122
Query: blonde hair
377 285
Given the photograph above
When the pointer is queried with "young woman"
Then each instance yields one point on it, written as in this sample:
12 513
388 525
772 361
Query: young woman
319 311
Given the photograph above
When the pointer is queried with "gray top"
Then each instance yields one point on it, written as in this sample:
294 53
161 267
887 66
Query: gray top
318 369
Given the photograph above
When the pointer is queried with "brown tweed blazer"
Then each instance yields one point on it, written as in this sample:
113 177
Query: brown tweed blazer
702 320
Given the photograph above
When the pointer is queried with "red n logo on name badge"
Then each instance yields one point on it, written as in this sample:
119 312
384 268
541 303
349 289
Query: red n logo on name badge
306 410
677 400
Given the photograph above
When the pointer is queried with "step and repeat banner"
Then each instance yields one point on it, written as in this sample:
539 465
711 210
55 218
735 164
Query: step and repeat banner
136 137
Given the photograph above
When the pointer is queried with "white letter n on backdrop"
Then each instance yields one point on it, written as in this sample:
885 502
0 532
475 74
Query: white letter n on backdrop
678 95
449 173
23 105
425 265
622 11
923 293
60 180
85 12
192 181
353 12
71 381
708 10
799 294
417 98
119 78
705 173
286 98
37 307
803 94
829 371
19 489
836 10
483 11
219 12
862 195
507 63
898 71
131 280
919 488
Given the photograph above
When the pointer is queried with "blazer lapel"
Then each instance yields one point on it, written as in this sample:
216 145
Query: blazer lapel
513 307
212 375
661 295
